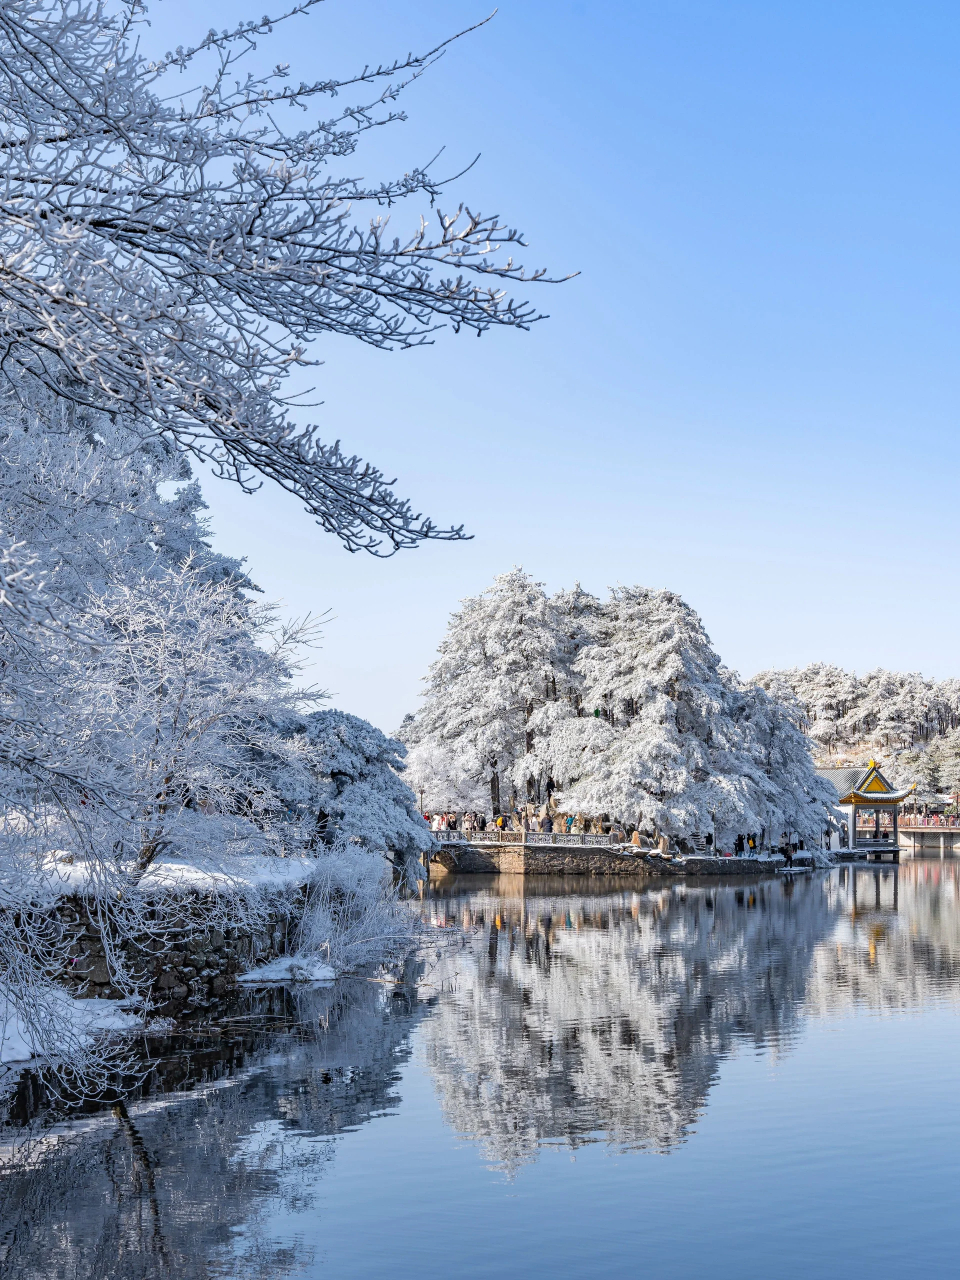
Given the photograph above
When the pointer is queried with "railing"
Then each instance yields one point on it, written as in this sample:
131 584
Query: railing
932 820
494 835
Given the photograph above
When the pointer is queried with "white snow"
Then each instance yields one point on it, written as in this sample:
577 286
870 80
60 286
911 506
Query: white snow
251 871
289 969
89 1018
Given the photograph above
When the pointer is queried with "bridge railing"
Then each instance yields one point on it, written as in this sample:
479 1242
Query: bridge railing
494 835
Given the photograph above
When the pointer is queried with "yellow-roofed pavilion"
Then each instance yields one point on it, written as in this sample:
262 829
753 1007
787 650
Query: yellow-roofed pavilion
871 806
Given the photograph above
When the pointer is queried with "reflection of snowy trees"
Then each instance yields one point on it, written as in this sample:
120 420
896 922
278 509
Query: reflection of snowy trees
182 1185
563 1018
566 1017
897 942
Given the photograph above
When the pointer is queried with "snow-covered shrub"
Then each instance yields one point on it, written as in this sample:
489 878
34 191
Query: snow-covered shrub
353 915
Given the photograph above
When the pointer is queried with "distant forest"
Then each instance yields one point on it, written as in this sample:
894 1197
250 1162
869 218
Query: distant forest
909 724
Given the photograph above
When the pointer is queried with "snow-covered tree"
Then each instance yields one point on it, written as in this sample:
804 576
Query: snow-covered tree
179 699
888 715
795 798
145 697
622 709
662 748
166 257
826 694
499 664
577 615
169 247
348 776
444 780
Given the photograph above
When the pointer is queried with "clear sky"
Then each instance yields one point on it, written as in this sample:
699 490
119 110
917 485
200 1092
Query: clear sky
748 395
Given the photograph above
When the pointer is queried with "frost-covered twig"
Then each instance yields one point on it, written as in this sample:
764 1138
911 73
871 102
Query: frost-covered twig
169 253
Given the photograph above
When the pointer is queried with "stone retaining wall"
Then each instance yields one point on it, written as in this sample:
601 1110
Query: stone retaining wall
578 860
702 866
191 966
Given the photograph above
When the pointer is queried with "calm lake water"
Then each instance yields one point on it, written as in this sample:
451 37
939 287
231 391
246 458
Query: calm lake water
580 1079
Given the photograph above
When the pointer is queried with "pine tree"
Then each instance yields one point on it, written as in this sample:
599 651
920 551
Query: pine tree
661 748
500 662
354 788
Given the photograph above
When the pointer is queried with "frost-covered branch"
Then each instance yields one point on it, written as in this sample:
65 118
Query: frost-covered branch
170 253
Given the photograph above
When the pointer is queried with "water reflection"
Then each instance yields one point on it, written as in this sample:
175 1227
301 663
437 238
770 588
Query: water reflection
543 1014
897 942
603 1016
184 1185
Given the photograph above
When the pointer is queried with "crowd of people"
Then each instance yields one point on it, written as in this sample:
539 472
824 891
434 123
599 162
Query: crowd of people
929 820
533 819
528 819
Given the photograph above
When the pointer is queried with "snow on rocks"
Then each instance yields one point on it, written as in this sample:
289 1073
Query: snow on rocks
88 1019
285 969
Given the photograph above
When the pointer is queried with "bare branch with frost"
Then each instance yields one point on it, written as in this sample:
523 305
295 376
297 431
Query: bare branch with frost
172 257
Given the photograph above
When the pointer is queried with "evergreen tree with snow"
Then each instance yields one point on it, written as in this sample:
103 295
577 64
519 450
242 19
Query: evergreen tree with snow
659 746
499 664
348 779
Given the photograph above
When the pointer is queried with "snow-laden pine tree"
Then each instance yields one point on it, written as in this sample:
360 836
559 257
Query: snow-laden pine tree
794 797
499 664
888 715
825 695
660 746
623 709
578 614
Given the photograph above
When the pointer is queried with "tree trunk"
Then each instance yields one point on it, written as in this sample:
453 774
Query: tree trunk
495 792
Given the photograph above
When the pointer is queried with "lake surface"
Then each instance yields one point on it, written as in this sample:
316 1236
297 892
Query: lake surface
578 1079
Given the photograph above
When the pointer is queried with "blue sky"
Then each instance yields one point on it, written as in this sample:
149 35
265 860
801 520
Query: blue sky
750 392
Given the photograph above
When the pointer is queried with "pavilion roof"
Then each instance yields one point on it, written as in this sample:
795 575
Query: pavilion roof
845 780
864 784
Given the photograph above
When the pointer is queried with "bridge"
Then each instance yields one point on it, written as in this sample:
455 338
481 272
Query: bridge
922 837
553 839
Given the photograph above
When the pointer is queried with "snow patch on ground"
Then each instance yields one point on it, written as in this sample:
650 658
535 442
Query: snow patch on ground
223 876
289 969
90 1018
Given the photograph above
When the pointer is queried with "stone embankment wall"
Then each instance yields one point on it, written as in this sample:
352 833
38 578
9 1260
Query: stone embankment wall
191 965
702 866
577 860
